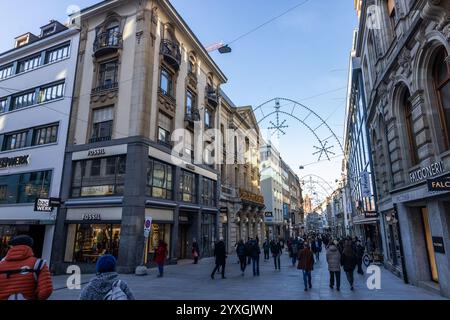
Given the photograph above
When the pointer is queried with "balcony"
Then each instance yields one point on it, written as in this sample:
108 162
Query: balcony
171 53
191 117
106 87
212 96
107 43
100 139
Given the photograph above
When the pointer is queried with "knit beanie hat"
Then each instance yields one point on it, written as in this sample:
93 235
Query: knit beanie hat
106 263
22 240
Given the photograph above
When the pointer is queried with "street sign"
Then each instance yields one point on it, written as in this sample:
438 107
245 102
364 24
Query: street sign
42 205
147 226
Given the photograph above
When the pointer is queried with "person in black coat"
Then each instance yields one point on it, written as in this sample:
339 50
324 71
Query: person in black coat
195 251
240 251
277 251
348 262
221 257
359 256
255 253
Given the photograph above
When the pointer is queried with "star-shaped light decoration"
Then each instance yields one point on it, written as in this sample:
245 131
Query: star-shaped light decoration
324 150
278 126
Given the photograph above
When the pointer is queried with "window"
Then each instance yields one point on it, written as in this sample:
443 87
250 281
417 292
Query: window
108 74
187 187
102 120
189 146
165 83
442 86
410 130
190 102
29 63
209 120
208 192
15 141
99 177
159 180
164 129
24 187
23 100
57 54
6 72
52 92
113 34
45 135
48 31
3 105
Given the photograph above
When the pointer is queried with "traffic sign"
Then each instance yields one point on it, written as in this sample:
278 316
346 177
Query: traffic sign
147 226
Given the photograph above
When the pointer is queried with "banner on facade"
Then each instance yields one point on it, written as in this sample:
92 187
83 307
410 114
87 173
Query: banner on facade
365 184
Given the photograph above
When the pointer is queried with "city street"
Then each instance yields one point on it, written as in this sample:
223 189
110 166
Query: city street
187 281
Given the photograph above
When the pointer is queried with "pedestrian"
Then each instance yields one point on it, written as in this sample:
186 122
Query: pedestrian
348 261
248 250
306 264
160 257
106 285
334 265
240 251
255 253
195 251
359 256
266 247
221 256
277 251
23 276
316 248
295 246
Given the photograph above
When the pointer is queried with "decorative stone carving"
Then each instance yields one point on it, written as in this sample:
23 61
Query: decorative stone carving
404 61
446 32
438 11
103 96
167 104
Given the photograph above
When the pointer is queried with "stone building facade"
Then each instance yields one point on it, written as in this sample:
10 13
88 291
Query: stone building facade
404 48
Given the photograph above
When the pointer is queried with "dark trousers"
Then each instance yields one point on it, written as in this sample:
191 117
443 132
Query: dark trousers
277 261
337 275
161 269
195 260
307 279
243 262
255 261
294 259
349 275
266 255
317 255
218 265
360 269
249 260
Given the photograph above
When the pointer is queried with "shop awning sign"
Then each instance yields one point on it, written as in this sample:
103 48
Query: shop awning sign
439 184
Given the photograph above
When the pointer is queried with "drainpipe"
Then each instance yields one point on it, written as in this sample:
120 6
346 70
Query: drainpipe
402 254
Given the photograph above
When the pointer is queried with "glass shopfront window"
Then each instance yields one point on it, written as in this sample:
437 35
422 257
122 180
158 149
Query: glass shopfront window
208 235
99 177
208 192
188 190
87 242
158 232
159 180
24 187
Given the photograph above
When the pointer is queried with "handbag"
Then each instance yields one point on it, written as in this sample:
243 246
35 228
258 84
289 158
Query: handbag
195 254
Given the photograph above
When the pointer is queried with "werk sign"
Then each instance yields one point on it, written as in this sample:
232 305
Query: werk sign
439 184
14 162
46 204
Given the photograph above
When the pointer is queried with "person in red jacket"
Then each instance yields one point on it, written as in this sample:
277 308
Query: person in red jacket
22 276
160 257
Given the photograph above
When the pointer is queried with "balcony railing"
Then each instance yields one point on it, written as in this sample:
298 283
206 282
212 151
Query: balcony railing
191 117
99 139
107 42
106 87
171 52
212 96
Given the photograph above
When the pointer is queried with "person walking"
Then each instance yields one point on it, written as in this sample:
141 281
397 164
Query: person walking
266 248
348 261
23 276
277 251
221 257
334 265
160 257
255 253
306 264
359 256
248 250
295 245
106 285
240 251
195 251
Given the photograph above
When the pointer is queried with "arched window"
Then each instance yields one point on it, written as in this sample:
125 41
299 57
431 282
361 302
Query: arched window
441 72
407 107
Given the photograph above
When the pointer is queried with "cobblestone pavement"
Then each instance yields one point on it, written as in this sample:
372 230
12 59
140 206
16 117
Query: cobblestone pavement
187 281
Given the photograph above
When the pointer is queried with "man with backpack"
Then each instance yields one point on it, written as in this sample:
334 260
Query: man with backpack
22 276
106 285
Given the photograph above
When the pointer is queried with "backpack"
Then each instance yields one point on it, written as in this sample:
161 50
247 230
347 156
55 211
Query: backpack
116 292
37 268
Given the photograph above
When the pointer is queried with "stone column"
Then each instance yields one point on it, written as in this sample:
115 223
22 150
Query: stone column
176 219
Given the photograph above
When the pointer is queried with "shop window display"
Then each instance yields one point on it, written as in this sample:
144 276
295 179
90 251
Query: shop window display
158 232
87 242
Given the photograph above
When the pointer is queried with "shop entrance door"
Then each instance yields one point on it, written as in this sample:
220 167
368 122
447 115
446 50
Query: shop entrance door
183 241
429 243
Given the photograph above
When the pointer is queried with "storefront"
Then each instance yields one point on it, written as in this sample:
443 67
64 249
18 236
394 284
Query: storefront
161 230
393 255
208 234
36 231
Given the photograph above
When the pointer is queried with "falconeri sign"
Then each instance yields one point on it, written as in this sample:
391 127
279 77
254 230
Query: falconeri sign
427 172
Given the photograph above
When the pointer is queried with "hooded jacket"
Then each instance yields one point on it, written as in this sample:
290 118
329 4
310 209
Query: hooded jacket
99 286
25 284
160 254
333 258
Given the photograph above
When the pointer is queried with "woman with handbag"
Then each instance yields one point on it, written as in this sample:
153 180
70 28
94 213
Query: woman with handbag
195 251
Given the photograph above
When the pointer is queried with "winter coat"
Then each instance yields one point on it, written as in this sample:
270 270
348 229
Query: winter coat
25 284
195 248
348 261
359 252
160 254
305 260
266 246
255 251
333 258
99 286
276 249
240 250
220 252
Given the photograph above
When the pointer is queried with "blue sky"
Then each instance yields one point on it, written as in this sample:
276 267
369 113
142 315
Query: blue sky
304 53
